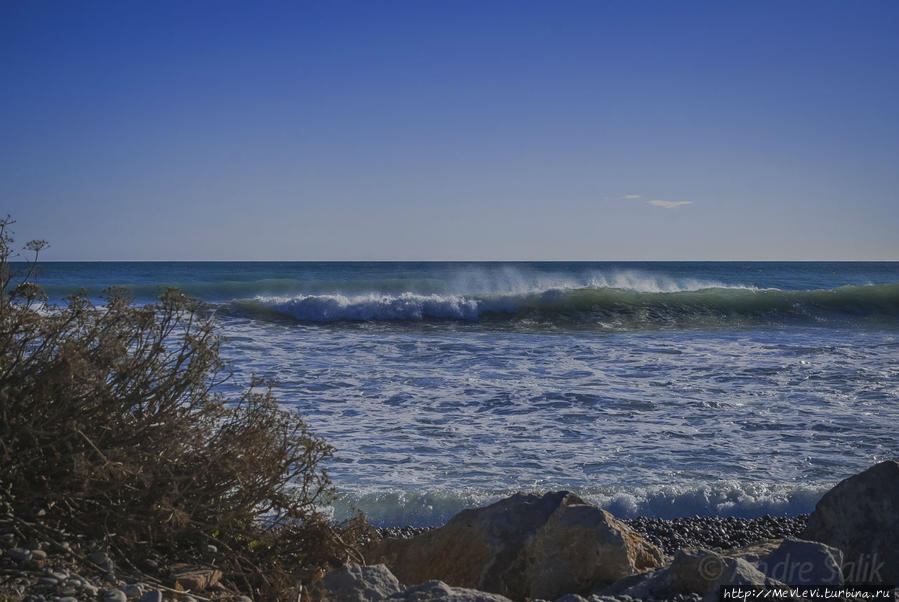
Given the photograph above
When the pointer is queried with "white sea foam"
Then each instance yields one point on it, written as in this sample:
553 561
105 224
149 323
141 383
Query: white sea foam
511 280
720 498
642 282
407 306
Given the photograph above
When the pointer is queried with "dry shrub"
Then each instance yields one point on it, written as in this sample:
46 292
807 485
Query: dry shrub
110 423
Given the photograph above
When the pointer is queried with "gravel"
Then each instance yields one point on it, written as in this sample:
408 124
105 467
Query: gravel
715 532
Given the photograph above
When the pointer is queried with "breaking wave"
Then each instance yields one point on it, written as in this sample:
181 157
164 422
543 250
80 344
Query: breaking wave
721 498
599 307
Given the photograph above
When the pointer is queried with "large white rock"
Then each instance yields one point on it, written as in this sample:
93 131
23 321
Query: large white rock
523 546
355 583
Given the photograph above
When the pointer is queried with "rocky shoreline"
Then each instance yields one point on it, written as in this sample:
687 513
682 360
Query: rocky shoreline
532 548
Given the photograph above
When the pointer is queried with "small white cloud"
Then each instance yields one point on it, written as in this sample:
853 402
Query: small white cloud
632 196
669 204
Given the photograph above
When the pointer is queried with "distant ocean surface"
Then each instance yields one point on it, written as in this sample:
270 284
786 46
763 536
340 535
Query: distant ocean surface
658 389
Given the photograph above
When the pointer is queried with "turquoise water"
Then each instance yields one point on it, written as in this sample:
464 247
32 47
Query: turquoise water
664 389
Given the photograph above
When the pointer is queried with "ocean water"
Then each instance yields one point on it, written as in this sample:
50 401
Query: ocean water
659 389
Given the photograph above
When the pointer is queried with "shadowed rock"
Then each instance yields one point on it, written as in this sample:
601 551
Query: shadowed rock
798 562
438 591
701 572
860 516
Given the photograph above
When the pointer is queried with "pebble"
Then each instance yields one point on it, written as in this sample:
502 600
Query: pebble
8 540
715 532
38 554
102 560
153 596
114 595
98 557
19 554
132 590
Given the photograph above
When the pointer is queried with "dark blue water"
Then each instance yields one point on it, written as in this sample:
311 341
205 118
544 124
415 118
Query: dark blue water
652 388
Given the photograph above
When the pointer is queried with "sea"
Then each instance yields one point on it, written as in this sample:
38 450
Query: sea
652 389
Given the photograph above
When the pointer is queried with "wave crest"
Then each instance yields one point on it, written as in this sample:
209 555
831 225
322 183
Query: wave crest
599 307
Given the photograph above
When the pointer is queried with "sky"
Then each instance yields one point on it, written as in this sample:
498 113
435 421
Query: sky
451 130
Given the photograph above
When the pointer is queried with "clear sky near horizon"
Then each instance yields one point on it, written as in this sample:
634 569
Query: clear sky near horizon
335 130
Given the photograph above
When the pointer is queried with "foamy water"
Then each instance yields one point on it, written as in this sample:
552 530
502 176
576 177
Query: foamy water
657 389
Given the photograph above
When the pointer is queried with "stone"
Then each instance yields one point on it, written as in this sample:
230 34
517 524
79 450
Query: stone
523 546
38 554
151 596
737 571
19 554
798 562
438 591
755 551
132 590
860 516
102 560
691 572
694 572
195 578
581 547
114 595
355 583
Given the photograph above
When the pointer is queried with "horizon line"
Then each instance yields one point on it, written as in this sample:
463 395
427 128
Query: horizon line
457 261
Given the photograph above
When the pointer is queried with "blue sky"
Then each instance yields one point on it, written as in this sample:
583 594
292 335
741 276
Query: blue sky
602 130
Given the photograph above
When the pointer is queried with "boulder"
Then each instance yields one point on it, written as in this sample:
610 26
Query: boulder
523 546
698 571
691 572
581 547
860 516
737 571
438 591
799 562
355 583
